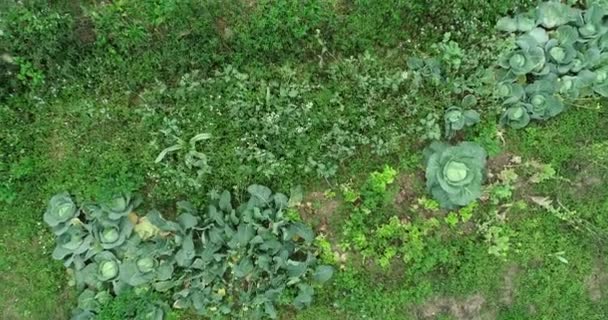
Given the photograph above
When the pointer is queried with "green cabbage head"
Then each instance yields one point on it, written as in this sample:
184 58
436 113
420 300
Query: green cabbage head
112 233
516 116
562 55
107 266
600 83
511 92
527 58
455 119
591 23
454 174
121 206
542 106
61 210
552 14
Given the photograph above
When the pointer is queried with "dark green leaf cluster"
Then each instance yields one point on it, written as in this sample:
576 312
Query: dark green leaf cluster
560 55
224 260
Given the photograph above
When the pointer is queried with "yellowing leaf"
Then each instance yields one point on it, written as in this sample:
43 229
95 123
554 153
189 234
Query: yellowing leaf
543 202
133 217
145 229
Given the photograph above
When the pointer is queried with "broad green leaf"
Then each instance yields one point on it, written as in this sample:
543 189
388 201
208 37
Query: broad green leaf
304 297
244 268
301 230
260 194
225 202
187 221
166 151
295 196
244 234
323 273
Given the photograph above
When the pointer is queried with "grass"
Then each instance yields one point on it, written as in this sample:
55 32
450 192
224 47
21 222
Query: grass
315 93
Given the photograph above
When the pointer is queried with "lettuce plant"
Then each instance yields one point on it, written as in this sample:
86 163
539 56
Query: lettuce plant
454 174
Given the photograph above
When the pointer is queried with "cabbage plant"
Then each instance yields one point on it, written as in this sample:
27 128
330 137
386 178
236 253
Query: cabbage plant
561 55
74 246
454 174
112 233
552 14
574 46
510 92
591 23
527 58
515 116
600 83
61 210
120 206
543 106
456 119
543 103
519 23
230 259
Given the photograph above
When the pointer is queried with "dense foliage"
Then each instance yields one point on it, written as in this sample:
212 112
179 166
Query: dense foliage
226 260
561 55
180 99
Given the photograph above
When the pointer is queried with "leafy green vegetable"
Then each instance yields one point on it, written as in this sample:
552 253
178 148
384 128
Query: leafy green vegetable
527 58
112 233
562 55
229 260
600 84
121 206
454 173
60 211
542 102
573 43
519 23
552 14
510 92
591 24
516 116
456 119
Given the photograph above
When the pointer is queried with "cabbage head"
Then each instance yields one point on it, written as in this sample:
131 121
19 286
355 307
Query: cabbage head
552 14
454 174
600 83
61 210
591 24
455 119
527 58
516 116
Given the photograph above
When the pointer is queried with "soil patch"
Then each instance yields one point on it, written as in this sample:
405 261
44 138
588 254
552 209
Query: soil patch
509 286
596 283
588 178
318 210
467 308
499 163
407 190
